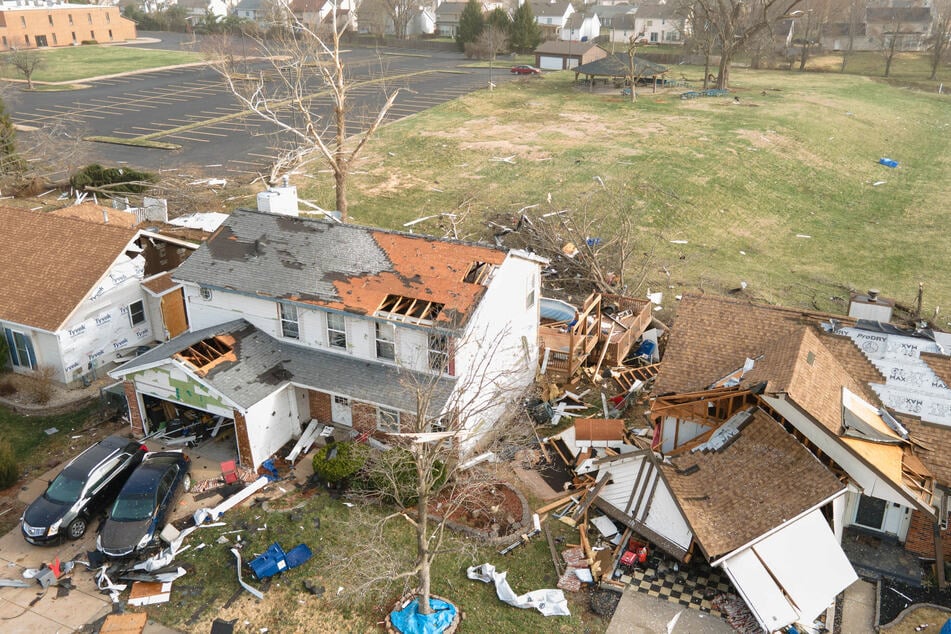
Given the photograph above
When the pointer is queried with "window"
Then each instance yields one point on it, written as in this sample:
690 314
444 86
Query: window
92 35
22 21
55 42
530 293
89 17
26 38
439 353
108 19
74 37
204 292
387 420
290 327
4 41
70 19
51 19
385 341
110 34
21 349
336 330
137 312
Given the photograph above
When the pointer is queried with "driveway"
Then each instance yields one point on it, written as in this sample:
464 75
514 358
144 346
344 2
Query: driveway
56 609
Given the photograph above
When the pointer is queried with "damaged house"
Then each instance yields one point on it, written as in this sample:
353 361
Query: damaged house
772 423
77 309
293 320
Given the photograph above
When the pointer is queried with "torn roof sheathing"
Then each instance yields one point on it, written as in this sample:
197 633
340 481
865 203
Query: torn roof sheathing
55 261
160 284
933 446
339 266
598 430
752 485
99 214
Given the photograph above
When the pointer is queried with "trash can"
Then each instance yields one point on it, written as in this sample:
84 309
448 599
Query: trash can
298 555
269 563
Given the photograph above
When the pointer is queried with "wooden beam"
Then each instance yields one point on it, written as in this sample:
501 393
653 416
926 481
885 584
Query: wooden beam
589 497
556 503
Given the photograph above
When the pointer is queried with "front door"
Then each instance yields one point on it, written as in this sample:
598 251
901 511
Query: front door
41 41
340 411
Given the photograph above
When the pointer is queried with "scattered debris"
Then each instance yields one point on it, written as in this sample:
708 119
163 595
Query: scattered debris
150 593
254 591
549 602
887 162
275 560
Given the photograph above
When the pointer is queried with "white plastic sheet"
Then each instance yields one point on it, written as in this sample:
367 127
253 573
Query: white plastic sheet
549 602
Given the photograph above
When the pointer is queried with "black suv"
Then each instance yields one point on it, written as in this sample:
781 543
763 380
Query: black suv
82 490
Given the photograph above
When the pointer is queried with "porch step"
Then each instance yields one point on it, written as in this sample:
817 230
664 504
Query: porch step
867 571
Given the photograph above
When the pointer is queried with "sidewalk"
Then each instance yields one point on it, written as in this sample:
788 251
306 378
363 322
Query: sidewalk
858 607
640 613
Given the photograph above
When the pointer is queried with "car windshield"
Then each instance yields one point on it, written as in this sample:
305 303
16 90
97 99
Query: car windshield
65 489
130 508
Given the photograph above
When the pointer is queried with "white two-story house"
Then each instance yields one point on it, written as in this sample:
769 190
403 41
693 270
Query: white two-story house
295 319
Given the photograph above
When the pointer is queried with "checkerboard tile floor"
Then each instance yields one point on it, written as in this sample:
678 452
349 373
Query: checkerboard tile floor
694 586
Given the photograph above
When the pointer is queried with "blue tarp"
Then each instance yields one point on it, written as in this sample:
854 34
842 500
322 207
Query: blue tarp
409 621
946 628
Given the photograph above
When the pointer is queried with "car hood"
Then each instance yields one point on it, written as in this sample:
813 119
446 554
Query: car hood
123 536
44 512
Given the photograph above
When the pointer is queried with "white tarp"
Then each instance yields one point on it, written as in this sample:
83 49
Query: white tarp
549 602
792 575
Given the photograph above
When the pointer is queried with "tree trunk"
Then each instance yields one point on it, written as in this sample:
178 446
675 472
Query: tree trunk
706 69
341 165
723 79
422 549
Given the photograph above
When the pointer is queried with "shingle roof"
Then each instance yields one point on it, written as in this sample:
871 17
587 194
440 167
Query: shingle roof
713 336
618 65
657 11
932 446
159 284
762 479
54 262
338 266
564 47
262 364
91 212
449 11
549 9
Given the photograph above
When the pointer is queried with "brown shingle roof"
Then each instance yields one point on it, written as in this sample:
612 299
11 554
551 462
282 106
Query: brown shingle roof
91 212
933 446
940 364
55 262
160 283
713 336
761 480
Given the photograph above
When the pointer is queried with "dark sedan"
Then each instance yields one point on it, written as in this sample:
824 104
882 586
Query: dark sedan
143 506
85 486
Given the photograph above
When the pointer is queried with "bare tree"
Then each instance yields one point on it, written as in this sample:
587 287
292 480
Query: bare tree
427 463
374 16
492 41
940 40
26 63
402 13
854 16
735 22
700 37
891 39
306 64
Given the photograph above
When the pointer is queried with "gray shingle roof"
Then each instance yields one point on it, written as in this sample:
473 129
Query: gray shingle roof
265 364
618 65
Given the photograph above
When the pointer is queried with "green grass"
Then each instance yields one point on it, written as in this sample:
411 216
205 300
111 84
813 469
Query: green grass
288 607
75 63
797 156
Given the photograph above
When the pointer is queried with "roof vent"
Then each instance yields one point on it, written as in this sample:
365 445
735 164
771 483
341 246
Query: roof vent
873 294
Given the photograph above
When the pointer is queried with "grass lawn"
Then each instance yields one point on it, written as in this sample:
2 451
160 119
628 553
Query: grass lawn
782 190
74 63
340 562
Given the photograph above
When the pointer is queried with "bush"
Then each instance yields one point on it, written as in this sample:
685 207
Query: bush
41 388
7 387
126 180
88 42
9 471
393 475
340 460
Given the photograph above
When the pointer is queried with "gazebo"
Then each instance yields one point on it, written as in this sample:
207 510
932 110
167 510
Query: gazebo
618 66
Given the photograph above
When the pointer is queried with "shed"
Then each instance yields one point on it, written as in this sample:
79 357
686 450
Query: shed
565 54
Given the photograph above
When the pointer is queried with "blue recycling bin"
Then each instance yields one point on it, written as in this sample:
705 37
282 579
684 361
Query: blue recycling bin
270 562
298 555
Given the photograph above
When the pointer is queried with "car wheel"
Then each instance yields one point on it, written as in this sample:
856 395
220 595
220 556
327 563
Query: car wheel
76 528
187 483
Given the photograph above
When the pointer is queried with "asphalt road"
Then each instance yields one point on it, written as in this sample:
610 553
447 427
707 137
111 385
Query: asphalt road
221 140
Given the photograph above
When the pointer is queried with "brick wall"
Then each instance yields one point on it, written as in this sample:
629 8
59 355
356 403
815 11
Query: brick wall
135 415
319 405
920 540
30 27
244 443
364 417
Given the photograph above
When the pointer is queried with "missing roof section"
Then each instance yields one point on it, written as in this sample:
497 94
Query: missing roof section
479 273
207 353
408 309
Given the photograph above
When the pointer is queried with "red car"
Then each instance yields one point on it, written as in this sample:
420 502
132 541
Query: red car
525 69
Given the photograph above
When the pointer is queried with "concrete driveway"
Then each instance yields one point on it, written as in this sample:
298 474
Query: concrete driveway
640 613
39 611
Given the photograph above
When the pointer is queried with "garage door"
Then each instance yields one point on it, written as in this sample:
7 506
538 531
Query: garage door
547 62
792 575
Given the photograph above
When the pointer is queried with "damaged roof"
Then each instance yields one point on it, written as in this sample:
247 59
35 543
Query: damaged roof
256 364
55 262
757 482
338 266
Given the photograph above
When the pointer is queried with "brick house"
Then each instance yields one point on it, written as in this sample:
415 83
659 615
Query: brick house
38 24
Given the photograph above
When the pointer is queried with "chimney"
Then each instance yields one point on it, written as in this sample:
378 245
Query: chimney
873 295
871 306
105 216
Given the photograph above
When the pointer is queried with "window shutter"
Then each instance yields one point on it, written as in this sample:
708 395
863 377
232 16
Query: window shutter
11 346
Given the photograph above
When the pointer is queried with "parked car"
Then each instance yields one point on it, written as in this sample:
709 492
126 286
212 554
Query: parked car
85 486
525 69
142 507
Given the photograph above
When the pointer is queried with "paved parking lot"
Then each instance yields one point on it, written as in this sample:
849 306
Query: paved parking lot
191 107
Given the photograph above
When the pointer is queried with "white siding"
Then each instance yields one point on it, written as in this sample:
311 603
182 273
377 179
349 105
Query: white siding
273 421
172 383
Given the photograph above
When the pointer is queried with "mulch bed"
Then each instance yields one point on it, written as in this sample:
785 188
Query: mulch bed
896 596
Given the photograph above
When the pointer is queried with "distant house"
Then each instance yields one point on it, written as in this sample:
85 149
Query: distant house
447 18
312 13
198 9
562 55
552 17
42 24
294 320
581 28
252 10
909 27
648 23
85 290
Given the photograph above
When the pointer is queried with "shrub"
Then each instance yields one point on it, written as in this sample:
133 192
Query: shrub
393 475
340 460
7 387
9 472
41 388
